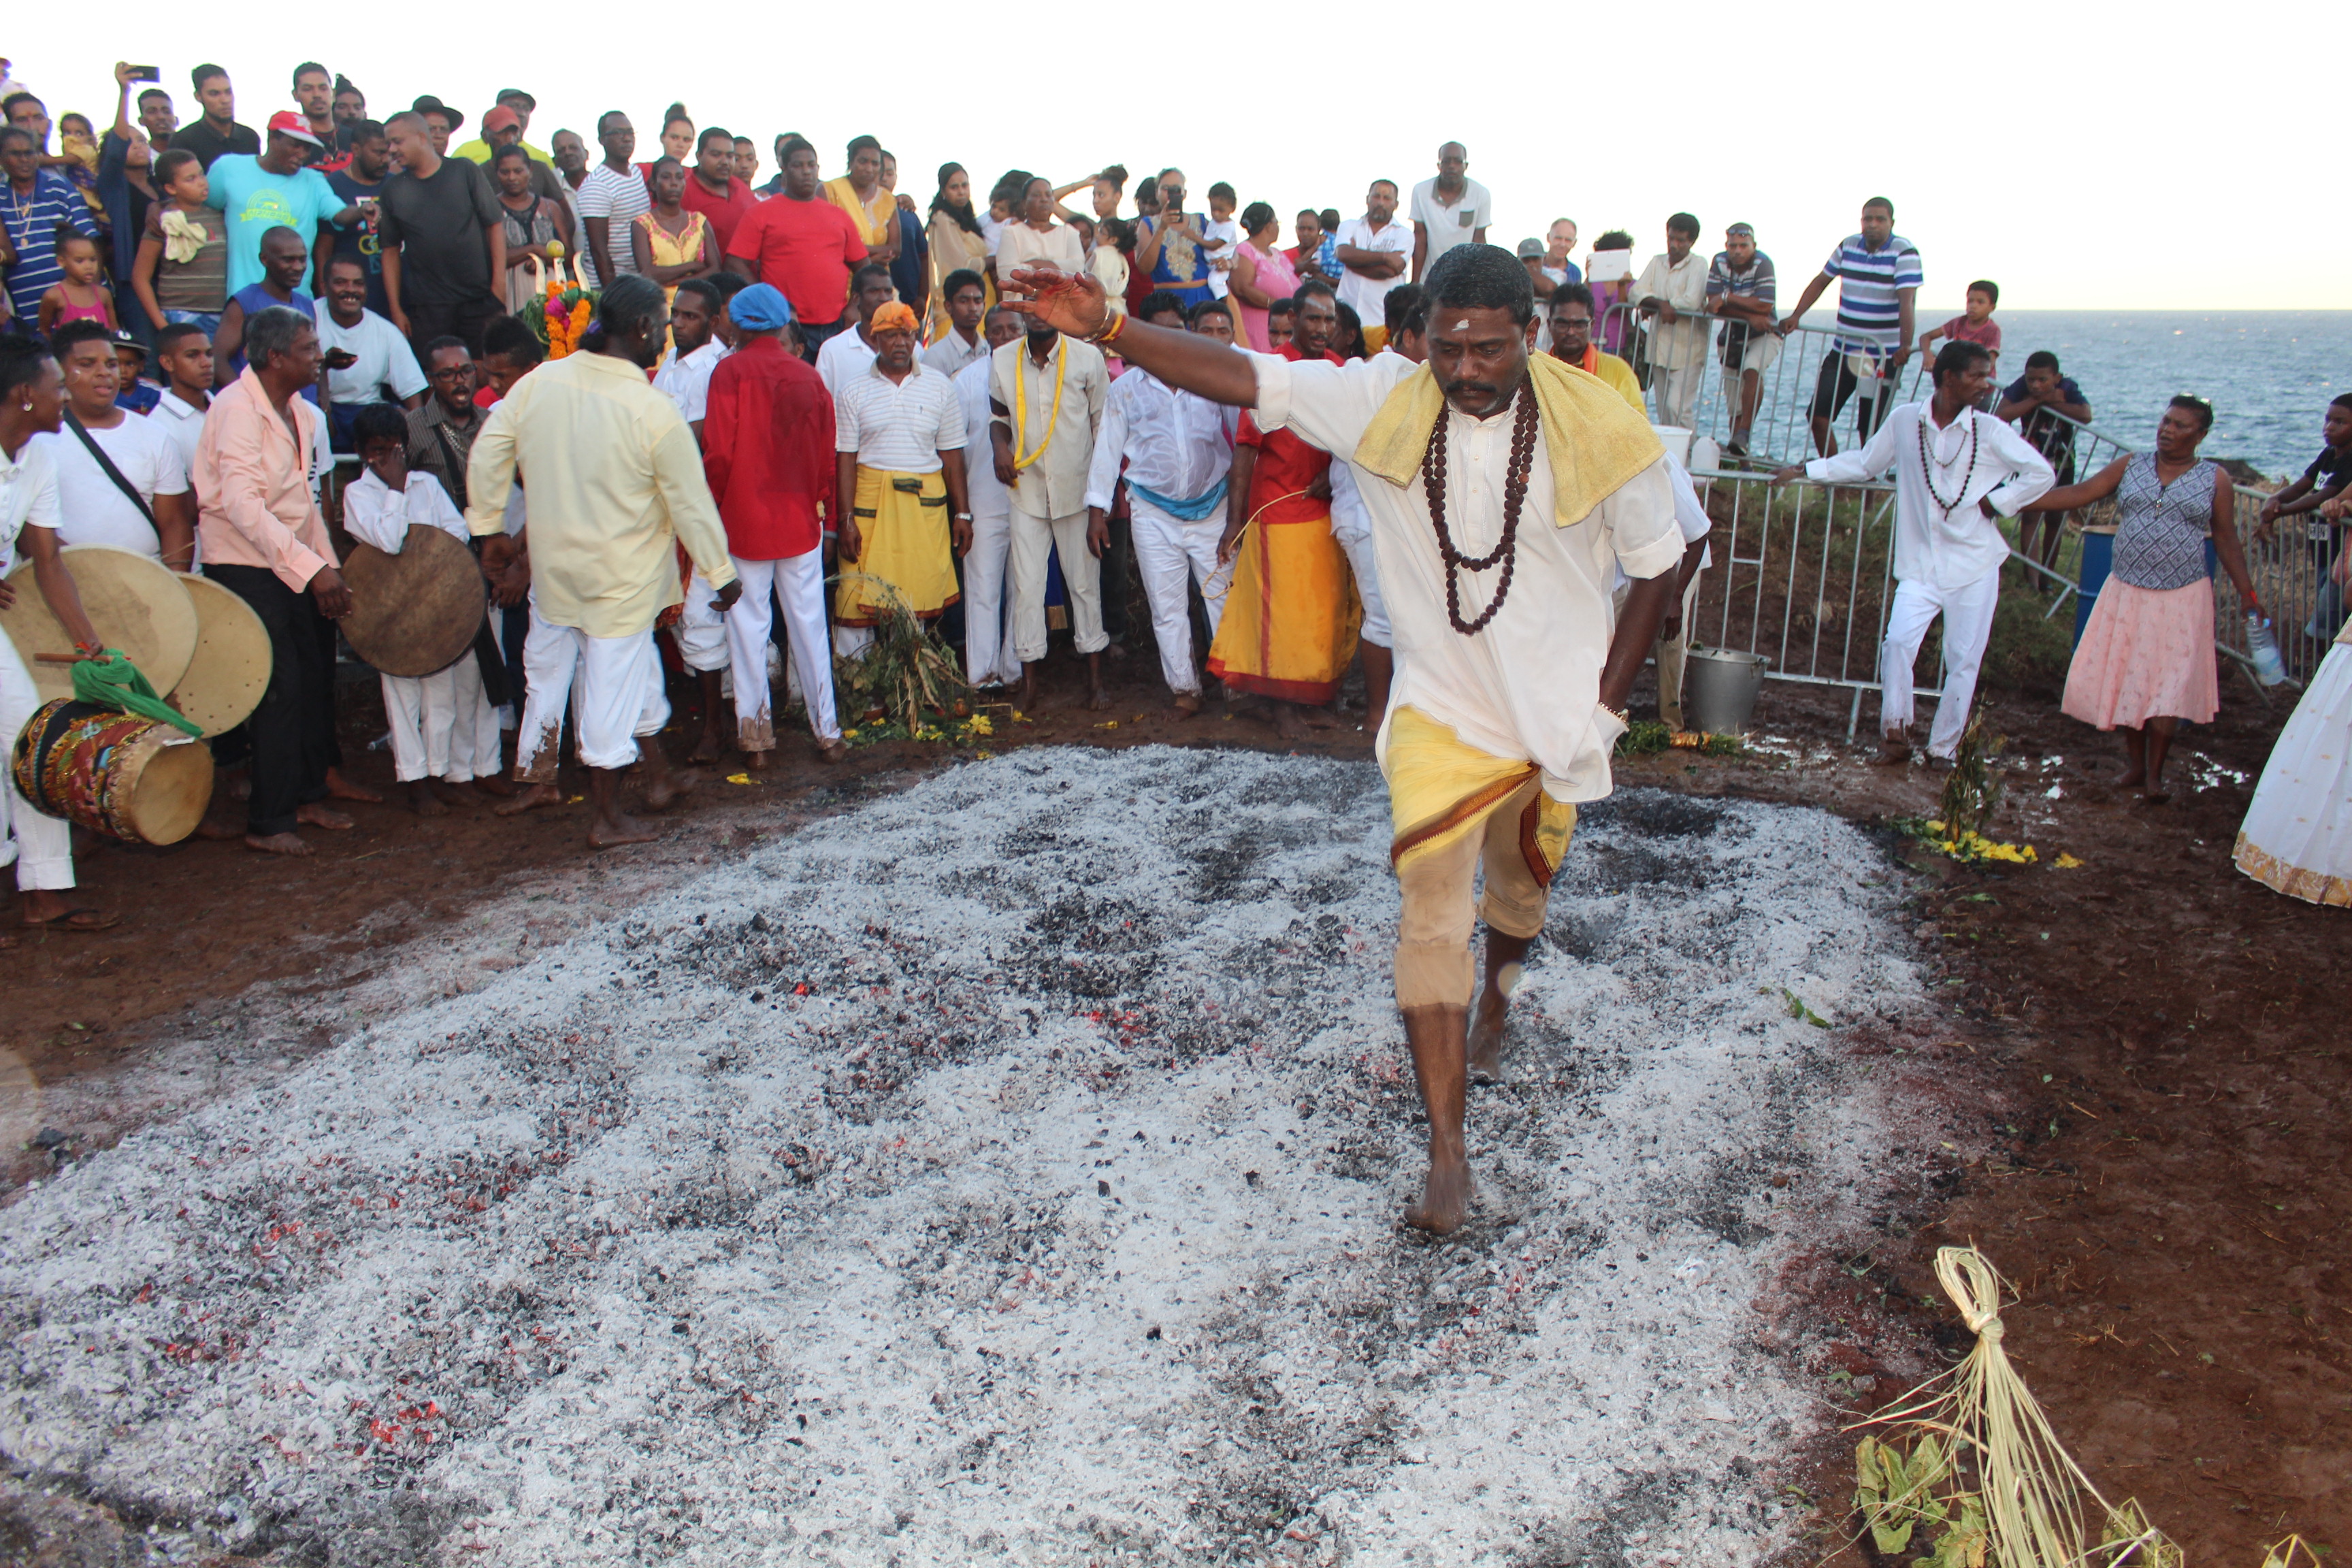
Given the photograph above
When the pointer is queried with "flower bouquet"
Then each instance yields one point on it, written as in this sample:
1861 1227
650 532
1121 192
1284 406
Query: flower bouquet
561 314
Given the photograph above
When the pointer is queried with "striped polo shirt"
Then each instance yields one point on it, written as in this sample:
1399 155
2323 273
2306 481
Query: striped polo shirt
1869 315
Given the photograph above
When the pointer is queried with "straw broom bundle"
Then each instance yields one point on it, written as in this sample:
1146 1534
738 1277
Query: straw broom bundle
906 670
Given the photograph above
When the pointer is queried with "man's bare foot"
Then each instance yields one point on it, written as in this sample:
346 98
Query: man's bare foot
833 751
1025 698
52 909
317 815
759 761
611 832
340 788
1894 750
492 784
423 801
1445 1204
279 843
1186 704
665 785
1489 1029
536 795
2155 794
457 792
706 749
2132 778
1286 722
220 827
1098 701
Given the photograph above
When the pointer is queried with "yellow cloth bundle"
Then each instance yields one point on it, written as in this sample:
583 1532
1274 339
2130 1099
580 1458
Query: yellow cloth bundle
1441 788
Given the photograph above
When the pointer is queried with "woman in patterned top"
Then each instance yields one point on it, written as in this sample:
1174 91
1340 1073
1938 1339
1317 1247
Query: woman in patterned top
2146 661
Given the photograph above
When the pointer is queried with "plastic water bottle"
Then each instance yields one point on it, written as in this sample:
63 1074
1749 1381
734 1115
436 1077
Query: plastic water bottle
1705 457
2269 668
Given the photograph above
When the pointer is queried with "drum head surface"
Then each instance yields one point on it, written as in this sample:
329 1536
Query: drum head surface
415 612
231 666
172 792
137 605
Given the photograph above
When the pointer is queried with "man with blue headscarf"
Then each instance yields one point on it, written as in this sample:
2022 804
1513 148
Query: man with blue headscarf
767 450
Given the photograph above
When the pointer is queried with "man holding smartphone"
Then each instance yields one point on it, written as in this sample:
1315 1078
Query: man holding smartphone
359 183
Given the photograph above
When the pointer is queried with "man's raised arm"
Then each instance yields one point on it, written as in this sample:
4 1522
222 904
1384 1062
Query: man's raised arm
1078 306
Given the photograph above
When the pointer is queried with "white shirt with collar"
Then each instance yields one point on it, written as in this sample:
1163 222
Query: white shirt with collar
1451 225
1175 444
842 355
1681 342
375 514
949 355
1368 296
184 421
899 426
384 360
687 380
1059 408
1974 458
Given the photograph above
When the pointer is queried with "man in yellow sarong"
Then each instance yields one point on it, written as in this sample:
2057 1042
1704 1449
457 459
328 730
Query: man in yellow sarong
1505 491
898 439
1292 613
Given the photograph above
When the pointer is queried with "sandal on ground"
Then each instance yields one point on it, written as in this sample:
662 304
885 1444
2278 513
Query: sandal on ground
77 920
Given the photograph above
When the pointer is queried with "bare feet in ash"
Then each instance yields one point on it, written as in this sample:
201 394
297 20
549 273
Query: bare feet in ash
316 814
706 750
1489 1030
619 827
340 788
537 795
423 801
1445 1197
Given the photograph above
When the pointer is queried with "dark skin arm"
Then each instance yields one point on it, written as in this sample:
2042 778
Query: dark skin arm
1693 554
600 244
1078 306
1805 301
1371 263
1637 628
951 471
850 543
175 525
744 267
1237 489
226 341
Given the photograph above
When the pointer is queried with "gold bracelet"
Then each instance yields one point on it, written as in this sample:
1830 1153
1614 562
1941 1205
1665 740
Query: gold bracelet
1111 330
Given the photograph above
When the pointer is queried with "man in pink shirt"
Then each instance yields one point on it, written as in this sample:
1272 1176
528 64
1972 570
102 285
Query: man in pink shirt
264 540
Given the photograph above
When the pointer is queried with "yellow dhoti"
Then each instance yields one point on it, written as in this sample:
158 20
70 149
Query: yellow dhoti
1453 808
903 539
1291 615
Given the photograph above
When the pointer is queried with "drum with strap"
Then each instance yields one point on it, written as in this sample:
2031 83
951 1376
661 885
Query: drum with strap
416 612
113 773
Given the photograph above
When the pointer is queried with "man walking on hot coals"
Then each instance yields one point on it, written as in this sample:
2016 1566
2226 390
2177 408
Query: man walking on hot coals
1505 492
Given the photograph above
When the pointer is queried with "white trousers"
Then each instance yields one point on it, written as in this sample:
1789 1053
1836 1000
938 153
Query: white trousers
1677 392
41 846
614 685
702 629
1967 624
1034 537
987 648
1170 552
443 727
1359 549
796 583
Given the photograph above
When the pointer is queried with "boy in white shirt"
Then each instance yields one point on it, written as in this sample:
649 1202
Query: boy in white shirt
1219 237
445 734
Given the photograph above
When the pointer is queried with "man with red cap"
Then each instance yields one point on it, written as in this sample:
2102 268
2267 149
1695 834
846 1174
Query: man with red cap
502 127
257 193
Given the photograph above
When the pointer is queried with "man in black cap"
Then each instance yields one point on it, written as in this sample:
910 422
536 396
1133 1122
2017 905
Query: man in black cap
440 120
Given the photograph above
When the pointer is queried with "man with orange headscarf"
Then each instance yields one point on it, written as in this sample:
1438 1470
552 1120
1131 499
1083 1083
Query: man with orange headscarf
898 439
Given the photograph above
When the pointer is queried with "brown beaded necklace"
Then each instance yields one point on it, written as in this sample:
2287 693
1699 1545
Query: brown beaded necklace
1515 495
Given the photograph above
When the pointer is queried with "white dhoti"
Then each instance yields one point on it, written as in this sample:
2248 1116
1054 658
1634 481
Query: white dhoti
41 846
1034 537
1170 552
614 685
987 642
443 726
1968 624
702 629
797 585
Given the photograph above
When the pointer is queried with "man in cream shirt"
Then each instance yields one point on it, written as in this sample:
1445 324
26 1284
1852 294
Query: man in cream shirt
1671 295
616 484
1045 404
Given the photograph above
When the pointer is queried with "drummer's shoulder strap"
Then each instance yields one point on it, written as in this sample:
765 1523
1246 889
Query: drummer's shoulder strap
457 479
120 483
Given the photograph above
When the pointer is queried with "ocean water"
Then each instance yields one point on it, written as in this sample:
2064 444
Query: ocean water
2268 374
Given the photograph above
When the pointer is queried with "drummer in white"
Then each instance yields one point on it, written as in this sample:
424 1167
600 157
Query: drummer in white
32 399
121 479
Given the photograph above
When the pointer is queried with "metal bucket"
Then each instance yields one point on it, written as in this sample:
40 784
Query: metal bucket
1719 689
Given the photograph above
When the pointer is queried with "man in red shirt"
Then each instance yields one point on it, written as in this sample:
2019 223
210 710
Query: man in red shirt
1289 625
712 189
767 450
805 245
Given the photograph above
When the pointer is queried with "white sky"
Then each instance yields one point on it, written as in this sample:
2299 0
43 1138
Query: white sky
2108 158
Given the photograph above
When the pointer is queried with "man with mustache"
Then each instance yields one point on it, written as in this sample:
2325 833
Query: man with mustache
1506 491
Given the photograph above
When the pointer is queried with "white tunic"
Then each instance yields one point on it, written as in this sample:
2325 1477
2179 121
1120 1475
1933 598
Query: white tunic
1527 686
1950 549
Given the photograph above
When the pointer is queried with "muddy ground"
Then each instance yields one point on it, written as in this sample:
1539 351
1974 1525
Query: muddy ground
2153 1044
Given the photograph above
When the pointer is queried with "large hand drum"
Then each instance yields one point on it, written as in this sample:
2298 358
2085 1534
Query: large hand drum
416 612
137 604
231 666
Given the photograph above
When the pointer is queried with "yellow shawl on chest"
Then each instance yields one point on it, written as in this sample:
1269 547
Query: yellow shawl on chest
1593 441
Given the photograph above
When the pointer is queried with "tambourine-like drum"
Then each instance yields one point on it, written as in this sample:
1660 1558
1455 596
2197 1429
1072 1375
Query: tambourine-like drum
230 671
416 612
113 773
136 605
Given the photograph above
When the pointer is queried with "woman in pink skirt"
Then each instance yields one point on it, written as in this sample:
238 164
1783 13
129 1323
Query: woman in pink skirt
2146 661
